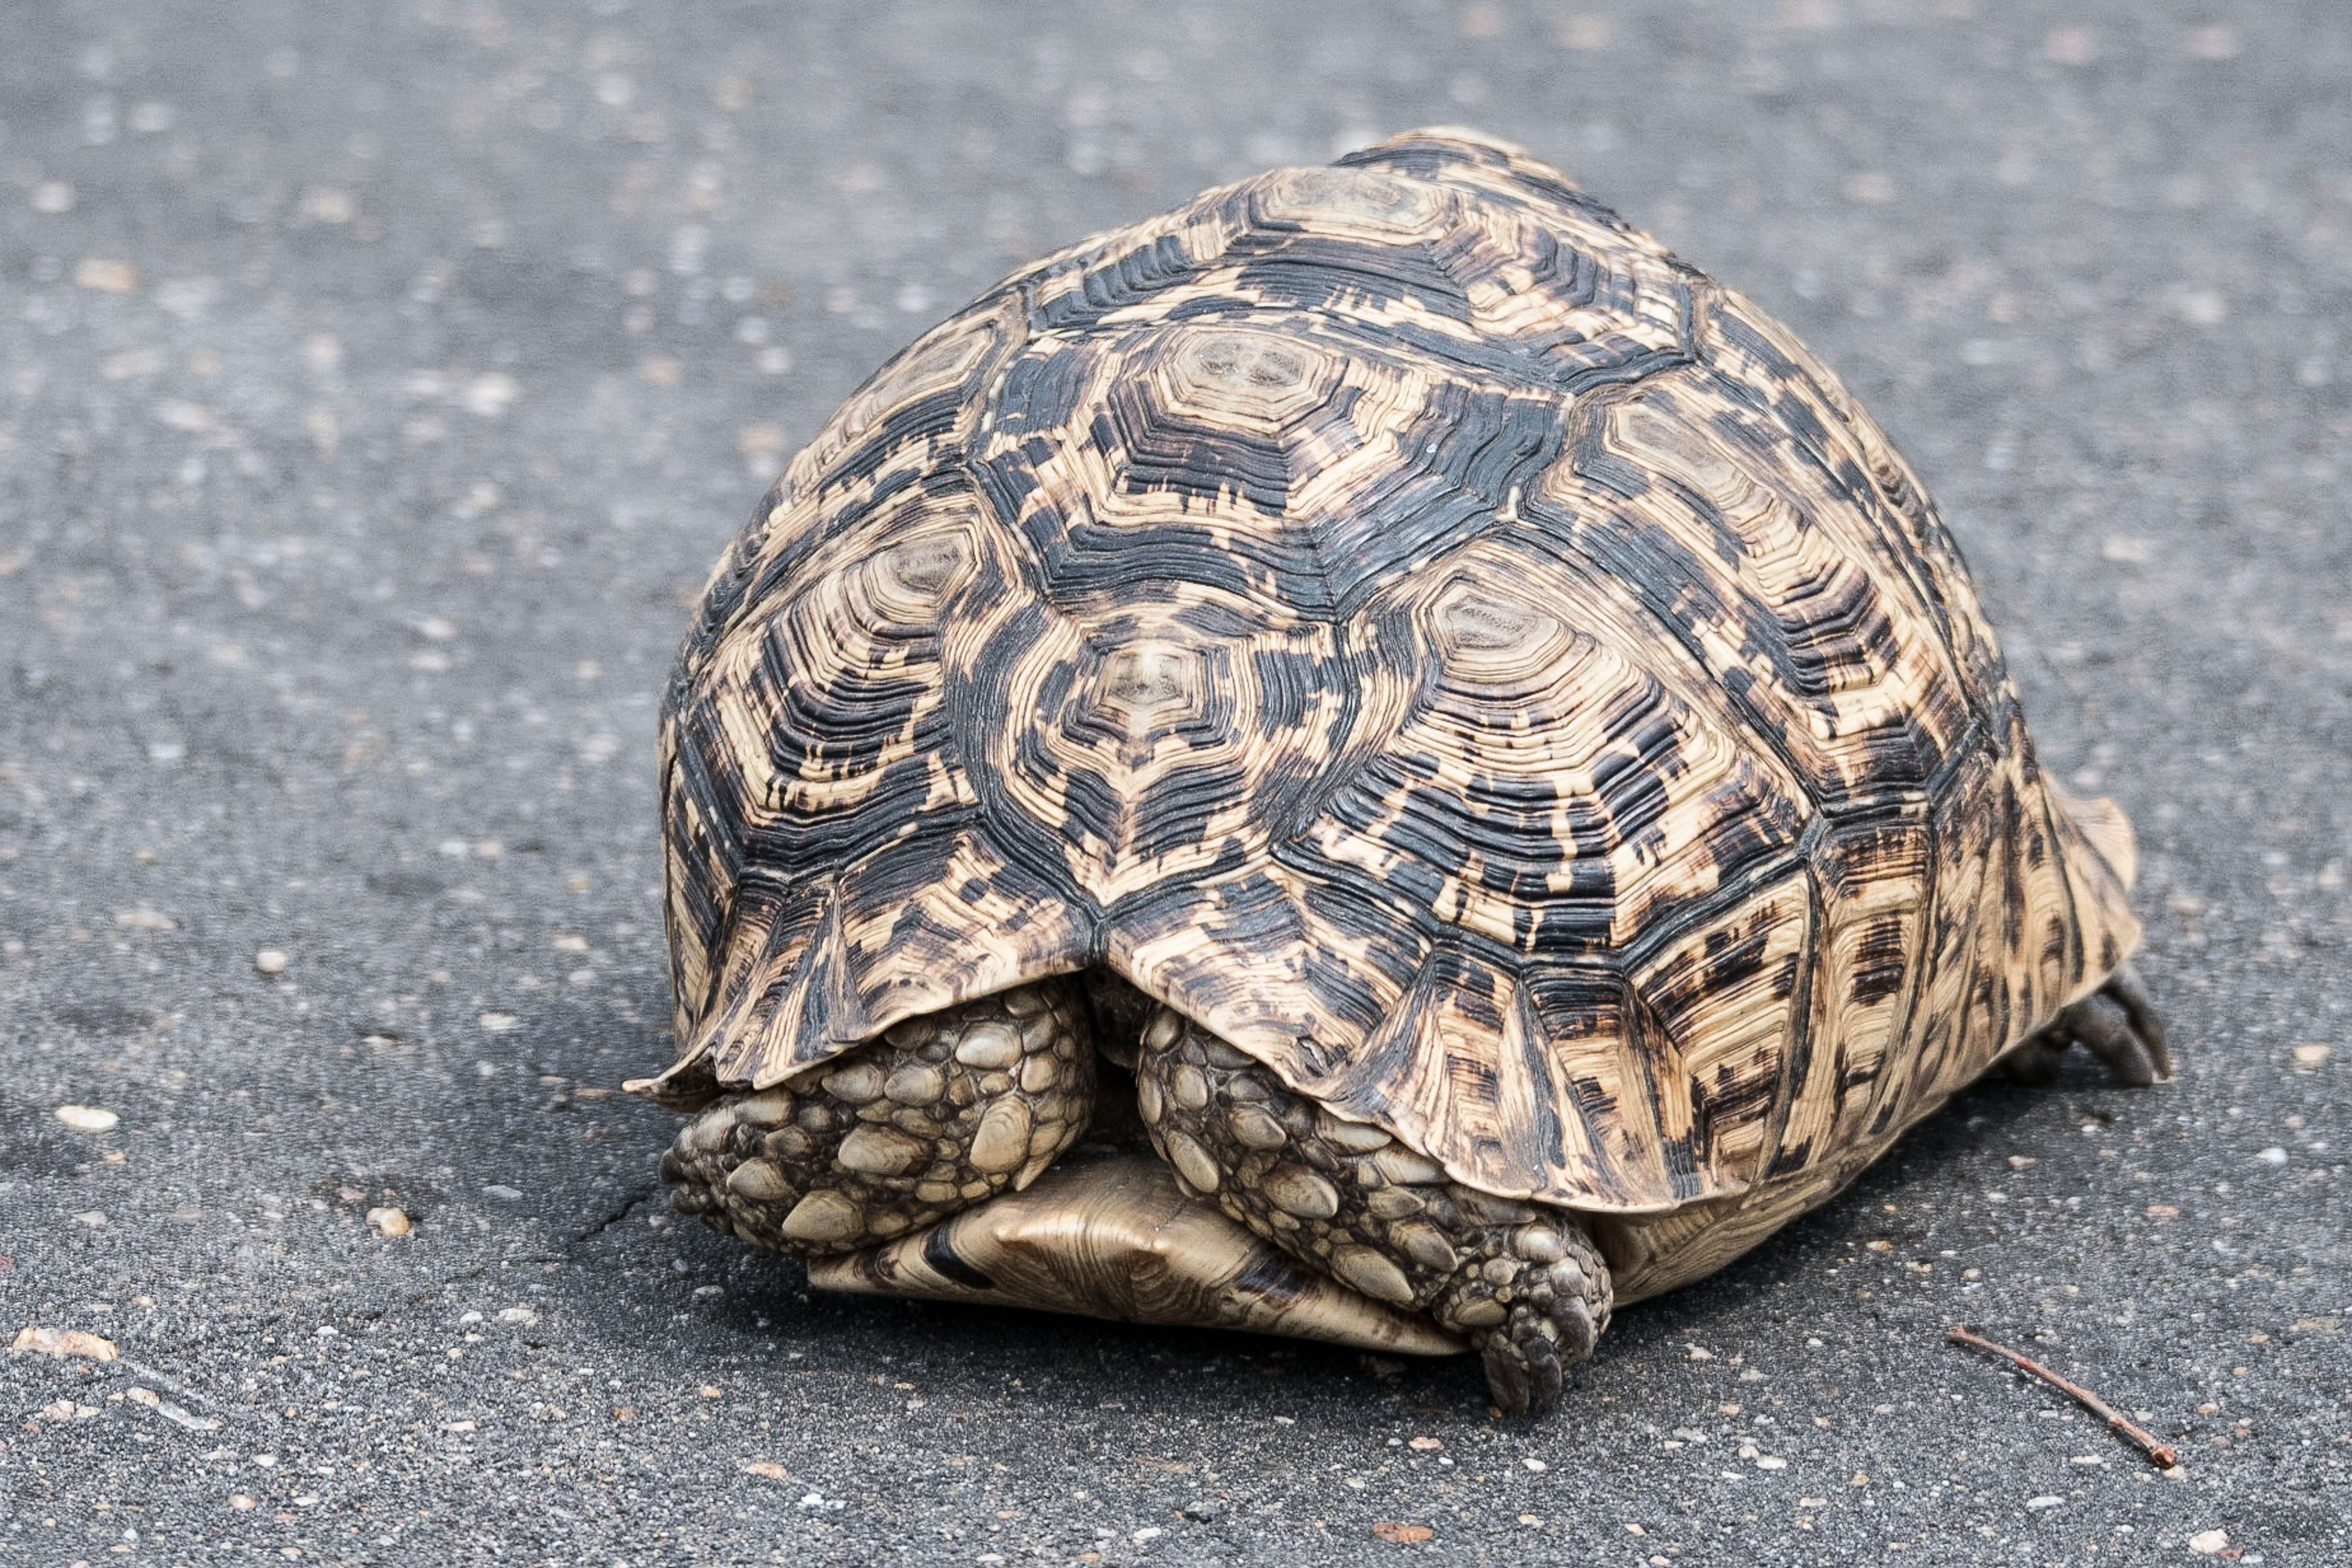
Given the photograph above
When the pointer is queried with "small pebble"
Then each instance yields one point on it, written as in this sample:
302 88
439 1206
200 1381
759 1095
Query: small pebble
73 1344
87 1118
106 275
270 960
389 1221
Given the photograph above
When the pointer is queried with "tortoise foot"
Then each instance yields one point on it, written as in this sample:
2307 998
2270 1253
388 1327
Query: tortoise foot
2117 1023
1532 1309
1522 1281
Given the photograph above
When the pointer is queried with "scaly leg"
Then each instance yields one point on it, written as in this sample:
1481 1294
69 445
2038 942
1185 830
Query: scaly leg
940 1113
1523 1281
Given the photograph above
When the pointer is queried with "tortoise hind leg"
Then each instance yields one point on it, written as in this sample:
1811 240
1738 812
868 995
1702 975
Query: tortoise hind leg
941 1113
1522 1281
2117 1023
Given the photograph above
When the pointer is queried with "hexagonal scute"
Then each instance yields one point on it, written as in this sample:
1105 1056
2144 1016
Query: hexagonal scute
1501 277
830 713
817 725
1533 782
1167 733
915 409
1273 458
1853 462
1745 545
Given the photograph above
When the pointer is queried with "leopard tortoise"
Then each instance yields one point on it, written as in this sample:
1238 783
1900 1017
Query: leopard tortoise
1374 757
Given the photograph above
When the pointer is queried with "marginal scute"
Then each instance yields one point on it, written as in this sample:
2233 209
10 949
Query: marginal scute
1722 1005
1400 618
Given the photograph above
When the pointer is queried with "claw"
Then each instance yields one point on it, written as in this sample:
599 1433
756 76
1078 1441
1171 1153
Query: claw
2124 986
1507 1374
1578 1332
2105 1028
1523 1370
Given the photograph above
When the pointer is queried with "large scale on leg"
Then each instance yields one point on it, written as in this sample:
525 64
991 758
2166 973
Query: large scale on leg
1456 715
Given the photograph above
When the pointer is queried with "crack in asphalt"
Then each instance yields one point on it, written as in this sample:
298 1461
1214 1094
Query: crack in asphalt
617 1216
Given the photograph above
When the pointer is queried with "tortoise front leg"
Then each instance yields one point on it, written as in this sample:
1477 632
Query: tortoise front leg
1523 1282
940 1113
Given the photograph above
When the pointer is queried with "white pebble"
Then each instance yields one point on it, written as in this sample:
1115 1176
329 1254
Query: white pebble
270 960
87 1118
2273 1155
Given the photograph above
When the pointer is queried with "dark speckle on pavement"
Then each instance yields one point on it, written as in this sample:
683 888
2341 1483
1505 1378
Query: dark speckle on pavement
376 384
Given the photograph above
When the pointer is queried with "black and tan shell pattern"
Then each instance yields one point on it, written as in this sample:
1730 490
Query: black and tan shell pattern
1404 619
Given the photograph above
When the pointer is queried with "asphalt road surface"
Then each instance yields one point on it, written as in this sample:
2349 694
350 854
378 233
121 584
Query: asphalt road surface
376 383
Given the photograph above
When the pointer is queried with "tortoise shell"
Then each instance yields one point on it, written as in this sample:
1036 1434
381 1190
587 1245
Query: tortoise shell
1405 620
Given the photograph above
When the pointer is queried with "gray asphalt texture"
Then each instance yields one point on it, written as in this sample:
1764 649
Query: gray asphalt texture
376 384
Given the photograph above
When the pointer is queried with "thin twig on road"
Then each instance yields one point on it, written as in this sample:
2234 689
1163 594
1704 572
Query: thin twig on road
2147 1442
